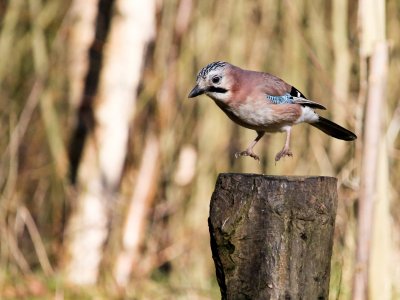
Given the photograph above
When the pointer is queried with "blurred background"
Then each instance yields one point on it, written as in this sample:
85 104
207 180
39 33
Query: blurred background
107 169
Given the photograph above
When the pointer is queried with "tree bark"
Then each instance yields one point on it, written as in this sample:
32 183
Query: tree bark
272 236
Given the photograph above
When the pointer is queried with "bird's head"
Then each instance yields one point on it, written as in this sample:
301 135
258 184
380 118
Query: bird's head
214 81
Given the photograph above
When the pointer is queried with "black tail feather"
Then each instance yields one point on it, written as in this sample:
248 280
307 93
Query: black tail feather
334 130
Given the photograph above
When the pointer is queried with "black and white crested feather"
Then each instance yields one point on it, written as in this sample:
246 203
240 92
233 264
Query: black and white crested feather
210 67
296 93
299 98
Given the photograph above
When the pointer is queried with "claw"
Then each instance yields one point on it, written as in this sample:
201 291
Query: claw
284 152
249 150
247 153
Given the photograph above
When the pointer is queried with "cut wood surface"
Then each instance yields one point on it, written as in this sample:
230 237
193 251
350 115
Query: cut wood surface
272 236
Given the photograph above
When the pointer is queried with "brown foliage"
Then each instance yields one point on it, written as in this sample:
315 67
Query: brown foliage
292 39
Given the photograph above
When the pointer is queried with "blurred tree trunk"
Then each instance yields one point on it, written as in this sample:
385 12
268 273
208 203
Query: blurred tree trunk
341 69
82 34
381 248
132 28
374 48
136 219
320 84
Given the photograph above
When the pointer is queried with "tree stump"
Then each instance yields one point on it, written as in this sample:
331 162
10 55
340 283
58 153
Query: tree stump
272 236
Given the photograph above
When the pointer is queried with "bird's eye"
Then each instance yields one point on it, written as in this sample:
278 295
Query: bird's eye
216 79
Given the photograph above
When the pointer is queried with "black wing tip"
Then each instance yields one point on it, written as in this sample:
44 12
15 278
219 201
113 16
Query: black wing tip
296 93
319 106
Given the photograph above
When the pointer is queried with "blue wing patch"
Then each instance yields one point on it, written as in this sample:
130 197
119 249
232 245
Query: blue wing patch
292 99
284 99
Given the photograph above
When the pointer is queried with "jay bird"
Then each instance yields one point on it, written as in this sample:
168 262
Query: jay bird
262 102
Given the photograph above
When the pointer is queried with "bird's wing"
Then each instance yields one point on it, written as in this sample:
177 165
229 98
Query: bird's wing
306 102
278 91
273 86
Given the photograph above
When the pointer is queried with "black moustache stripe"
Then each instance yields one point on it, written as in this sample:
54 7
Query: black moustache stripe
214 89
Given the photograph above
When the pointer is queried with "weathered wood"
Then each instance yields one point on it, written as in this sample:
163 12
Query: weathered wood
272 236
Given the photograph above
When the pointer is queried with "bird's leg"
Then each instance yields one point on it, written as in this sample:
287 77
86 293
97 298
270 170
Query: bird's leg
285 150
249 150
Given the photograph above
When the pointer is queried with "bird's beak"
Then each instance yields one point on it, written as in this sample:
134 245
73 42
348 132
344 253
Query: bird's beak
196 91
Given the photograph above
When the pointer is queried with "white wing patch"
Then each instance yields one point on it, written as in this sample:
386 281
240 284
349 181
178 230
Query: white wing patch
308 115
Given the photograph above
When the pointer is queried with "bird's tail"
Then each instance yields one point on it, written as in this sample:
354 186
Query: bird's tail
334 130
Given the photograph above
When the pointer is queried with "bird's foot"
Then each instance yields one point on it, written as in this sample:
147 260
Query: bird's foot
284 152
247 153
